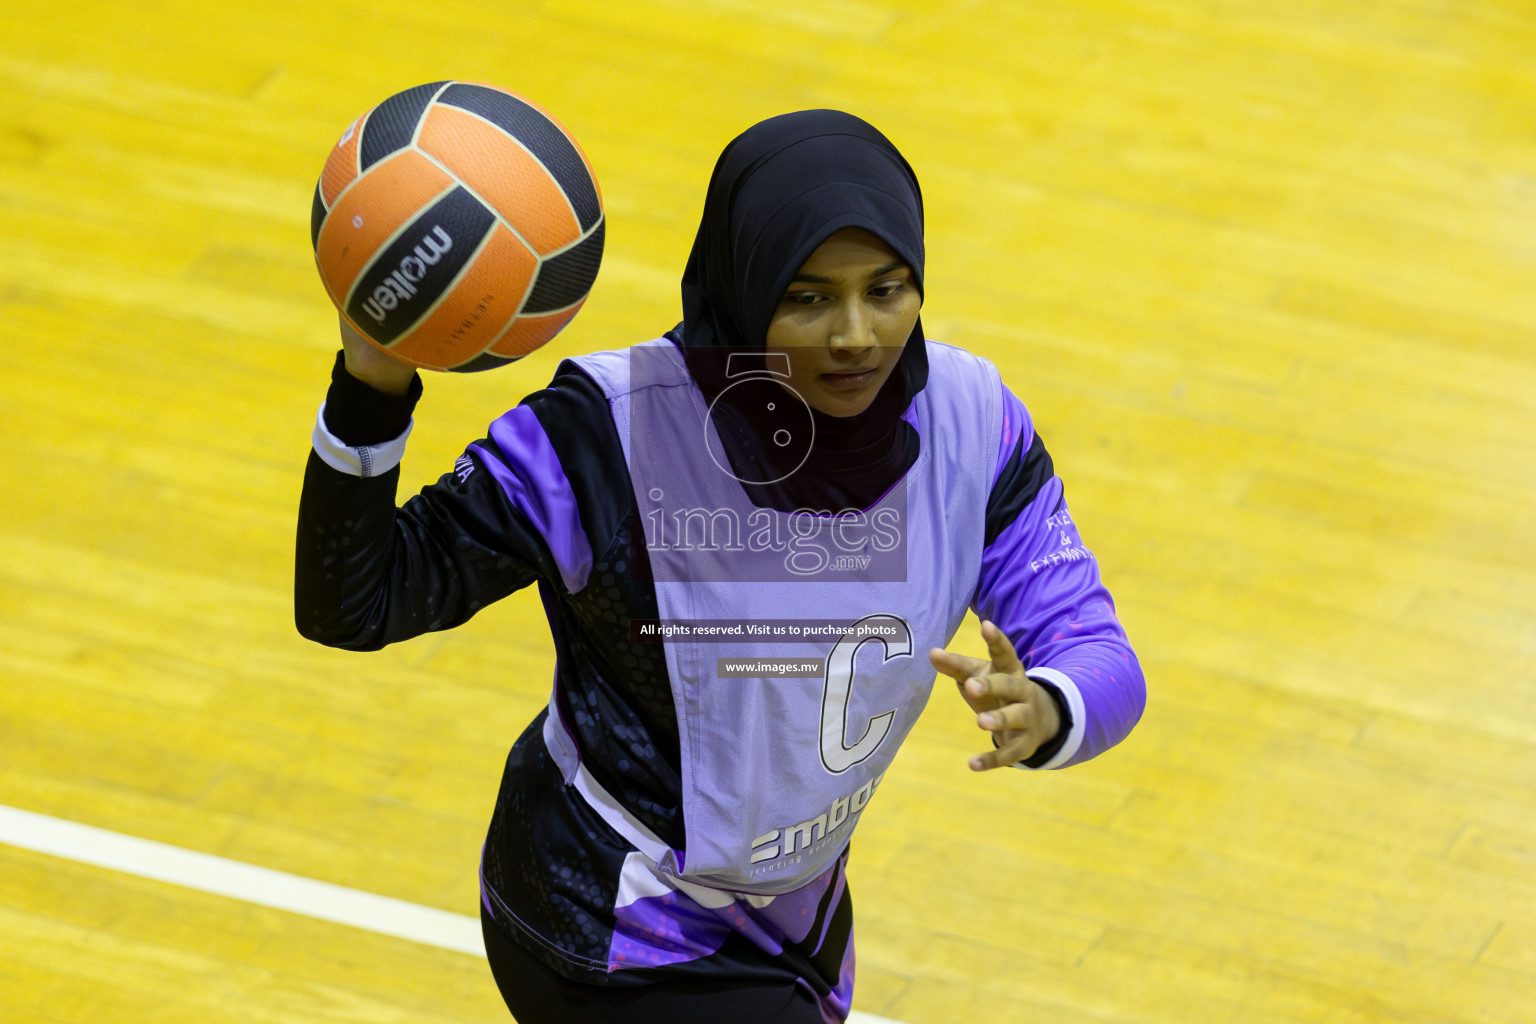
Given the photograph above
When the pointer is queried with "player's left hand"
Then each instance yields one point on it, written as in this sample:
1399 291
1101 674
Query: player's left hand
1017 711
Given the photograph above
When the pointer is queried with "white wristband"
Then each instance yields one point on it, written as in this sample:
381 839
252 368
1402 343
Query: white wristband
357 460
1074 698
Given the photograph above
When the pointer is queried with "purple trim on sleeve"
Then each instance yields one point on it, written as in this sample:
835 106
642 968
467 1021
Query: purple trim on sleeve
1016 425
524 463
1041 586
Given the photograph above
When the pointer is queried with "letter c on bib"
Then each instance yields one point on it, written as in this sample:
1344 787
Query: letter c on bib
837 754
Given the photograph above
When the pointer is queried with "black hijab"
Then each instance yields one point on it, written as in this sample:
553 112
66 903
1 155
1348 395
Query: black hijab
779 190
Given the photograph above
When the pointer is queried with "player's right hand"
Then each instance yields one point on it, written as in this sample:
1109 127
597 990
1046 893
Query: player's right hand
372 365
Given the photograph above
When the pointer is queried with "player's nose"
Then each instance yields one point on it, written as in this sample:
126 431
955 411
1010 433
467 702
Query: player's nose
852 329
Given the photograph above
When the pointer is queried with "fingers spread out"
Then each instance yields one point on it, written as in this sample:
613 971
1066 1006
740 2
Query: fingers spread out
1002 696
1021 746
986 762
1017 715
1011 744
1004 658
998 688
958 667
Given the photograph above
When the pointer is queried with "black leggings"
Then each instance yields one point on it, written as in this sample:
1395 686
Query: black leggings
537 995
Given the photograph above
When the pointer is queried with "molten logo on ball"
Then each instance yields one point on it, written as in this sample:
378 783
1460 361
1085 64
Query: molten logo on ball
399 286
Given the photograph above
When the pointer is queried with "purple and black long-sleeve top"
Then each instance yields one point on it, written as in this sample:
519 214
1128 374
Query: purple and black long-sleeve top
629 838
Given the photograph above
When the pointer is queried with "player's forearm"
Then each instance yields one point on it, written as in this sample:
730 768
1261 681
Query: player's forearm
343 556
1041 586
345 548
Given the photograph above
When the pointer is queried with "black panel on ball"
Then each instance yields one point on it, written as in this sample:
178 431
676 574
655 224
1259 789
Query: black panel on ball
419 266
542 137
392 124
564 280
317 214
484 361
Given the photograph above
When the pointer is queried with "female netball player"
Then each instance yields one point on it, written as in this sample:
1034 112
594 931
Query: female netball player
753 537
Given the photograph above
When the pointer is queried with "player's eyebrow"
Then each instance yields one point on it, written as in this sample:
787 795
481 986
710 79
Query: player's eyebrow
816 279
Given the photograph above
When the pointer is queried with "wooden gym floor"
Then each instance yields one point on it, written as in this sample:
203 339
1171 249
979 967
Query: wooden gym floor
1264 272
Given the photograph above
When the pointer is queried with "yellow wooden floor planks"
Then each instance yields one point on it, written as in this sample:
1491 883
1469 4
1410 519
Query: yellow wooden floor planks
1262 273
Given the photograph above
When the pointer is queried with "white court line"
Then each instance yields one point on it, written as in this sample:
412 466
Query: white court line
245 882
251 884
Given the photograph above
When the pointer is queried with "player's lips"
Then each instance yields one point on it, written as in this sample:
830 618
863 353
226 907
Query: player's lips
849 381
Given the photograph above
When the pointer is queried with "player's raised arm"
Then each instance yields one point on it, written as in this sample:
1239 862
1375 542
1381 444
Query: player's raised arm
368 574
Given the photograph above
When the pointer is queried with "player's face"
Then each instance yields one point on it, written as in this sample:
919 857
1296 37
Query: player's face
844 320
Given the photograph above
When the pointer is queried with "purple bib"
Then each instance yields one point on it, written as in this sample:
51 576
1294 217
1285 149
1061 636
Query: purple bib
797 643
